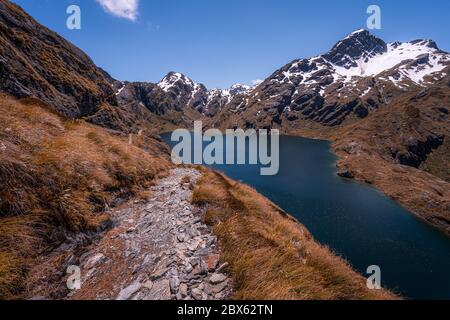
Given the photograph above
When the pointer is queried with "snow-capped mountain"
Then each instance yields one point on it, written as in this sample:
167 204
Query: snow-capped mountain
194 95
357 76
178 96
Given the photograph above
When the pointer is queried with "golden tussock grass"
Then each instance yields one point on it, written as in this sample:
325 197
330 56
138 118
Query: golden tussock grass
271 255
57 178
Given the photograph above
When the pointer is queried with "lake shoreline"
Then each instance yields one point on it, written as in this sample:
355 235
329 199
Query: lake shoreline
356 219
349 168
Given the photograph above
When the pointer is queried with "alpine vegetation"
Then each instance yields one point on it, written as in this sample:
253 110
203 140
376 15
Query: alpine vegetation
236 146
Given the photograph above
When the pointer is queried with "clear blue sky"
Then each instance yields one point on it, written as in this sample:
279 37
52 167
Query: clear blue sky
221 42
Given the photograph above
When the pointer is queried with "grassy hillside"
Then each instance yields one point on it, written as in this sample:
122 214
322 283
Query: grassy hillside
58 177
271 255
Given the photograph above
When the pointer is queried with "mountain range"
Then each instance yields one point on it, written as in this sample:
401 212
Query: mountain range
360 74
356 77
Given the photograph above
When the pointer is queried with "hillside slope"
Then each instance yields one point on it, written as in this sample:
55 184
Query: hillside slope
59 177
271 255
36 62
402 150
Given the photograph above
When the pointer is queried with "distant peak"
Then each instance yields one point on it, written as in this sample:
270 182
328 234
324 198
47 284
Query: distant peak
359 31
426 43
360 44
173 78
240 86
358 34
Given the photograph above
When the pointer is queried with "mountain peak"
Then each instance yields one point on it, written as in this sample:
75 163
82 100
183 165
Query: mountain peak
360 44
426 43
357 32
174 78
239 88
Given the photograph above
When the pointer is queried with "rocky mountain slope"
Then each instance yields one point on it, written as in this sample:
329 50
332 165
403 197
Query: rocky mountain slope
359 75
177 92
403 150
36 62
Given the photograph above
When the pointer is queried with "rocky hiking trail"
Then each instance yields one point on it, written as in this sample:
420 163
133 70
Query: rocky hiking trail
157 250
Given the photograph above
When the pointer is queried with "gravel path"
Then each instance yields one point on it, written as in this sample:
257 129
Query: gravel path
157 250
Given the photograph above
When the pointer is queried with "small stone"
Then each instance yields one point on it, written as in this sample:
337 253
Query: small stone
160 291
219 287
197 294
95 260
148 285
212 261
217 278
180 237
196 220
194 280
189 268
219 296
126 293
194 262
159 273
197 271
174 284
203 267
183 290
222 267
193 246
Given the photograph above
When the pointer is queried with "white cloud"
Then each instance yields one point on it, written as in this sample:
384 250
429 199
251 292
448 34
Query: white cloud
257 82
127 9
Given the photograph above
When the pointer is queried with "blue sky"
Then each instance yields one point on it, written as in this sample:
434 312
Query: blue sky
222 42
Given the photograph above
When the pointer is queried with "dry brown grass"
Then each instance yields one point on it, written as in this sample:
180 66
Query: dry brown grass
271 255
57 178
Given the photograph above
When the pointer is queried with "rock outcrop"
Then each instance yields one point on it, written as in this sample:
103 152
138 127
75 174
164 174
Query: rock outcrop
37 62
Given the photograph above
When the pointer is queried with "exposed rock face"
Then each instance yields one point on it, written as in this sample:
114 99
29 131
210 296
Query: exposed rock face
218 98
36 62
358 45
356 77
148 95
183 92
178 93
417 151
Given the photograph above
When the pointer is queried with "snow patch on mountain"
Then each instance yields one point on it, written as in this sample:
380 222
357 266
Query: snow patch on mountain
395 55
170 80
197 95
361 55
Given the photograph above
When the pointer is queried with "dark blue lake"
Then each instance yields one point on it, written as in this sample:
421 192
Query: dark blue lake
355 220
